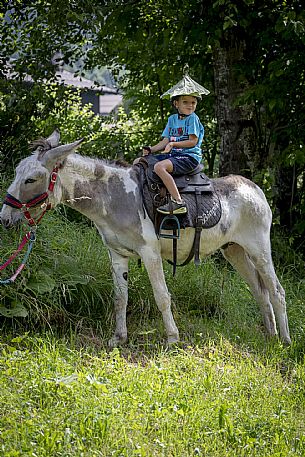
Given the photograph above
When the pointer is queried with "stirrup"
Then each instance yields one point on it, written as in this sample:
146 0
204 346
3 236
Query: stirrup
176 228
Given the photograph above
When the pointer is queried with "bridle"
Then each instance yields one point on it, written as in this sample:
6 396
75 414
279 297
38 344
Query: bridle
10 200
30 236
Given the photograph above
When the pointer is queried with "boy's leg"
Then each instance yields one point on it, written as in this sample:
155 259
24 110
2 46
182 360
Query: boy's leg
176 206
163 170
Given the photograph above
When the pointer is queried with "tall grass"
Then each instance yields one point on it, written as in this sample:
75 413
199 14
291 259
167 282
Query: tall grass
67 281
67 275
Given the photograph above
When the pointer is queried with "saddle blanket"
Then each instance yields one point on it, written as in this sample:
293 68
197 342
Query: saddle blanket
205 206
209 211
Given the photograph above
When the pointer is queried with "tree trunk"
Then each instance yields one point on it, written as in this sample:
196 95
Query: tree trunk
236 127
286 197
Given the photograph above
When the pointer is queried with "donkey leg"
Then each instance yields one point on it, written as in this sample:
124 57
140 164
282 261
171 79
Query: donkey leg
154 267
239 259
263 262
260 254
120 280
278 300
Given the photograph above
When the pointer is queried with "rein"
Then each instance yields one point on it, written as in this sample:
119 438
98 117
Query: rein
30 237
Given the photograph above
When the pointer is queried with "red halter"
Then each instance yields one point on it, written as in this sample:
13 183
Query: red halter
30 237
10 200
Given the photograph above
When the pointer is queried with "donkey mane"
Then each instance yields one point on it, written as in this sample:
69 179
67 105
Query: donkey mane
90 163
42 144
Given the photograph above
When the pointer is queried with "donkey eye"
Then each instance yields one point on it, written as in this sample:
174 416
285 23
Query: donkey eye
29 181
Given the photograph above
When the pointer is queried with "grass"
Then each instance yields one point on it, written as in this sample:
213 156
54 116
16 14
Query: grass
212 399
224 391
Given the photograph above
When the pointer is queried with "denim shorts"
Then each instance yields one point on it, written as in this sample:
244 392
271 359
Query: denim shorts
182 163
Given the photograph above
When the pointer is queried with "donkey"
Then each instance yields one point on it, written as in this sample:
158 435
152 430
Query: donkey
110 195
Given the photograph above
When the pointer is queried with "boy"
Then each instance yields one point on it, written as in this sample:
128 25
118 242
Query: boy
181 142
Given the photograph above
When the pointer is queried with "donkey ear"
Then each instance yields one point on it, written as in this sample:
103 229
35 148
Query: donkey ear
57 155
53 139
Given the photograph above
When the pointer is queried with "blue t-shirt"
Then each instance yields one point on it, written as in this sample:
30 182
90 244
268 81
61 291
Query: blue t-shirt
179 130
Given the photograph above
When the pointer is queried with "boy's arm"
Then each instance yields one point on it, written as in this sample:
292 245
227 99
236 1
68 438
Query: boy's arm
160 146
190 143
157 147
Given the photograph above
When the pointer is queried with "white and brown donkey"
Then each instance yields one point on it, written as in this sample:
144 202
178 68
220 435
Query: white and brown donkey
111 197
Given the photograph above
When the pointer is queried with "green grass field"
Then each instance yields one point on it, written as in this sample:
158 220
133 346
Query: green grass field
224 391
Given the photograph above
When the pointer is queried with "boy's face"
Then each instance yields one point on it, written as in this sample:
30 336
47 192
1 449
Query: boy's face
186 104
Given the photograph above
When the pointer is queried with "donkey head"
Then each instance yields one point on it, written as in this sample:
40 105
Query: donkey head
33 176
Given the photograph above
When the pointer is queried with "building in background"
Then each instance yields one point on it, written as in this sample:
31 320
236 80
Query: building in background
104 99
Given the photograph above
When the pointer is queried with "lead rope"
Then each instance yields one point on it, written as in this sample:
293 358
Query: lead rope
30 238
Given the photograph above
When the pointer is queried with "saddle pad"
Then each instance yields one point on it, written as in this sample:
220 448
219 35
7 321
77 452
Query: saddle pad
209 211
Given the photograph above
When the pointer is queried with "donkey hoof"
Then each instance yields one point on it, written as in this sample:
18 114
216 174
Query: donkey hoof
117 340
173 339
286 341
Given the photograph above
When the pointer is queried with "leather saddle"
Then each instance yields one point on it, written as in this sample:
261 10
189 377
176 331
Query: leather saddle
204 209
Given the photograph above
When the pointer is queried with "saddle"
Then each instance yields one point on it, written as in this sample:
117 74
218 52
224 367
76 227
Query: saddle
203 205
184 183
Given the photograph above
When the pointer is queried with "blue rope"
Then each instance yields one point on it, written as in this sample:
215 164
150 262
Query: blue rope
22 265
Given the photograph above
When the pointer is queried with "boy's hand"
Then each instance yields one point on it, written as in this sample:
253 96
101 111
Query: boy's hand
169 147
146 150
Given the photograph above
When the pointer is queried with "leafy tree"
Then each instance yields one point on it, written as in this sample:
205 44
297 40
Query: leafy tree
31 34
246 52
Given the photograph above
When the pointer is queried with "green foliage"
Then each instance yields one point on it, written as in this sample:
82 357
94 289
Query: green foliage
271 36
57 280
72 118
23 108
119 136
122 137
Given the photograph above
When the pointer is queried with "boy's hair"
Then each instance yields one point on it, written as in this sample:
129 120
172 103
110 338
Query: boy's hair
176 97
